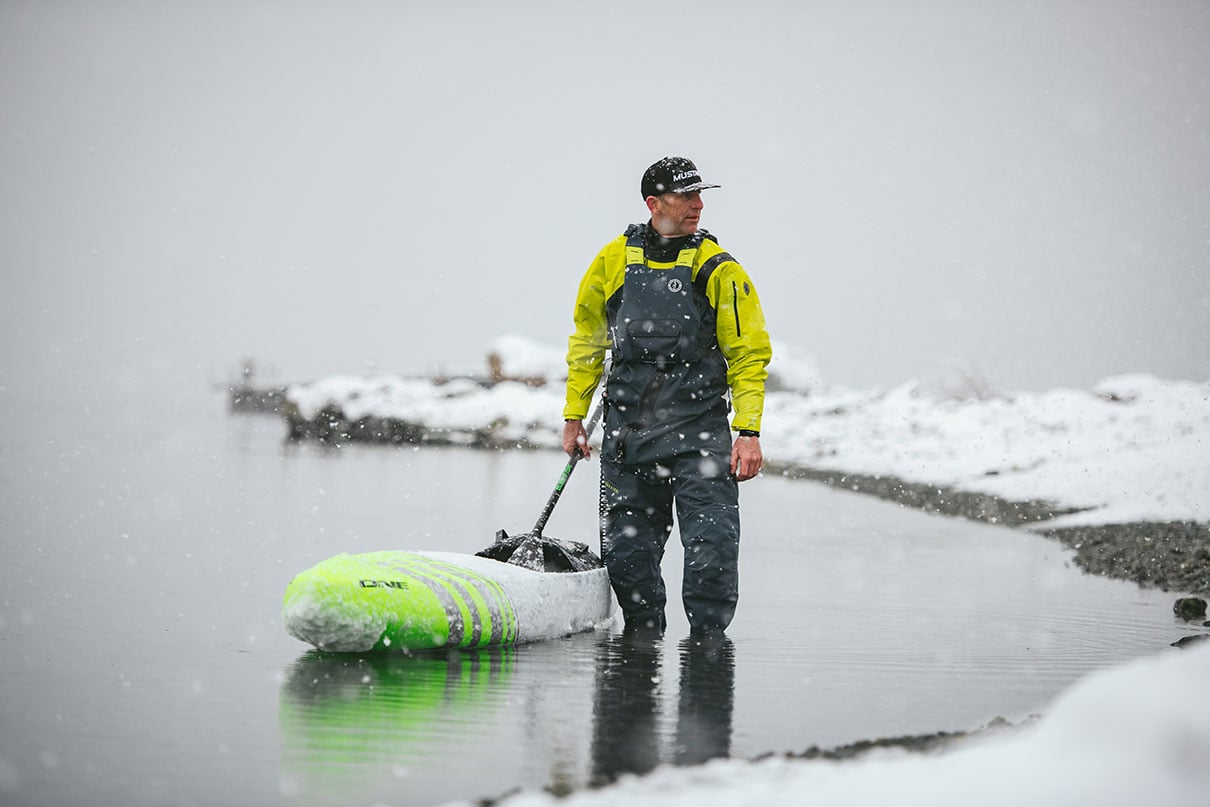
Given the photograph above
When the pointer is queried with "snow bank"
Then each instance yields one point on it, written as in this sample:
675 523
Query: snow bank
511 409
1132 735
1135 448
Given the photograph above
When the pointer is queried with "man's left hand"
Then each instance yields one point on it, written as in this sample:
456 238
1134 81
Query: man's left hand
746 458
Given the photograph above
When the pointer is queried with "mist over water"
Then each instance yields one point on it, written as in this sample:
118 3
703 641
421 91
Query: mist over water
1018 190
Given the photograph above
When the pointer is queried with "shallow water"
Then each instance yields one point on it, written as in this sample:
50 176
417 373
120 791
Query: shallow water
142 659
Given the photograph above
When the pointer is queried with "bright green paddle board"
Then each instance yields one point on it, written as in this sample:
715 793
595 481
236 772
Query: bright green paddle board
397 600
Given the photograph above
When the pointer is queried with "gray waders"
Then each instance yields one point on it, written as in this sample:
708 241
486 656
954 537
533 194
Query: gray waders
667 445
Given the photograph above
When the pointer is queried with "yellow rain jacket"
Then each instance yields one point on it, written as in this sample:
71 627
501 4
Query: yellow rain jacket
740 325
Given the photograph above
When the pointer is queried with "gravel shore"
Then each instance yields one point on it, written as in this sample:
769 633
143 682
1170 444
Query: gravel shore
1170 556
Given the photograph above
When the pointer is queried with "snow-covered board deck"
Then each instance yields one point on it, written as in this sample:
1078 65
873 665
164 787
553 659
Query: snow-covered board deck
413 600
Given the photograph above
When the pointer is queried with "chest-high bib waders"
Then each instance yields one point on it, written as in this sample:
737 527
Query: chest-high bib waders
667 443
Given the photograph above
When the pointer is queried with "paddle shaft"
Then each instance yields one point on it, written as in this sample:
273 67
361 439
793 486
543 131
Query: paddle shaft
567 469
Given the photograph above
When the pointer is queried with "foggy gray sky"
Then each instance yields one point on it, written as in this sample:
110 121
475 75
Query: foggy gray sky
1021 189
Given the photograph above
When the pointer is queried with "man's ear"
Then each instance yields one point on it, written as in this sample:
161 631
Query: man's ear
651 203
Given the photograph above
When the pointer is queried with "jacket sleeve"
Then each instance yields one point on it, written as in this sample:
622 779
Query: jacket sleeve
744 341
588 342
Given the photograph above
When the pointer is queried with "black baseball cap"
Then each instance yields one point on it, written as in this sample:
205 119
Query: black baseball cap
673 175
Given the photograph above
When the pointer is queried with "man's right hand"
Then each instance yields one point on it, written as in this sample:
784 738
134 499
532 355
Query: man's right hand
575 438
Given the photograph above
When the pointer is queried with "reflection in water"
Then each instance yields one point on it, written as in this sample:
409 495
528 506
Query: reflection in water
707 699
415 727
345 719
626 706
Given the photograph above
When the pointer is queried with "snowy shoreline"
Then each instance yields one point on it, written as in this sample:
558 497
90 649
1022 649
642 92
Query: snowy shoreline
1119 473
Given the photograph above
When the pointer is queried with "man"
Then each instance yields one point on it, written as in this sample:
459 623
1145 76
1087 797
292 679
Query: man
687 340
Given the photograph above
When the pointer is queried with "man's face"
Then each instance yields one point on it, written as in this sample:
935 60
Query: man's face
676 214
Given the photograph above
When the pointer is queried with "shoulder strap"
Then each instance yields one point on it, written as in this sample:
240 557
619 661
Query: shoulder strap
636 244
707 269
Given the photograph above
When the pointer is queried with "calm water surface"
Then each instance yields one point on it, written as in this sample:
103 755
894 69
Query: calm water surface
142 658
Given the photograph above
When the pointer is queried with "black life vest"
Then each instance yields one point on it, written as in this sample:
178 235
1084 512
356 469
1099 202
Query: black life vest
667 368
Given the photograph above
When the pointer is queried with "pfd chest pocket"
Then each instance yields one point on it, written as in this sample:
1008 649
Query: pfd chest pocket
657 340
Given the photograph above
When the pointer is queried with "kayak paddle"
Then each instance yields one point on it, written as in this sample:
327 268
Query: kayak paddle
528 548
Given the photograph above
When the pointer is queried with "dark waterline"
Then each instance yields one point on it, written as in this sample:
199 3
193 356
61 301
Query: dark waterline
142 659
